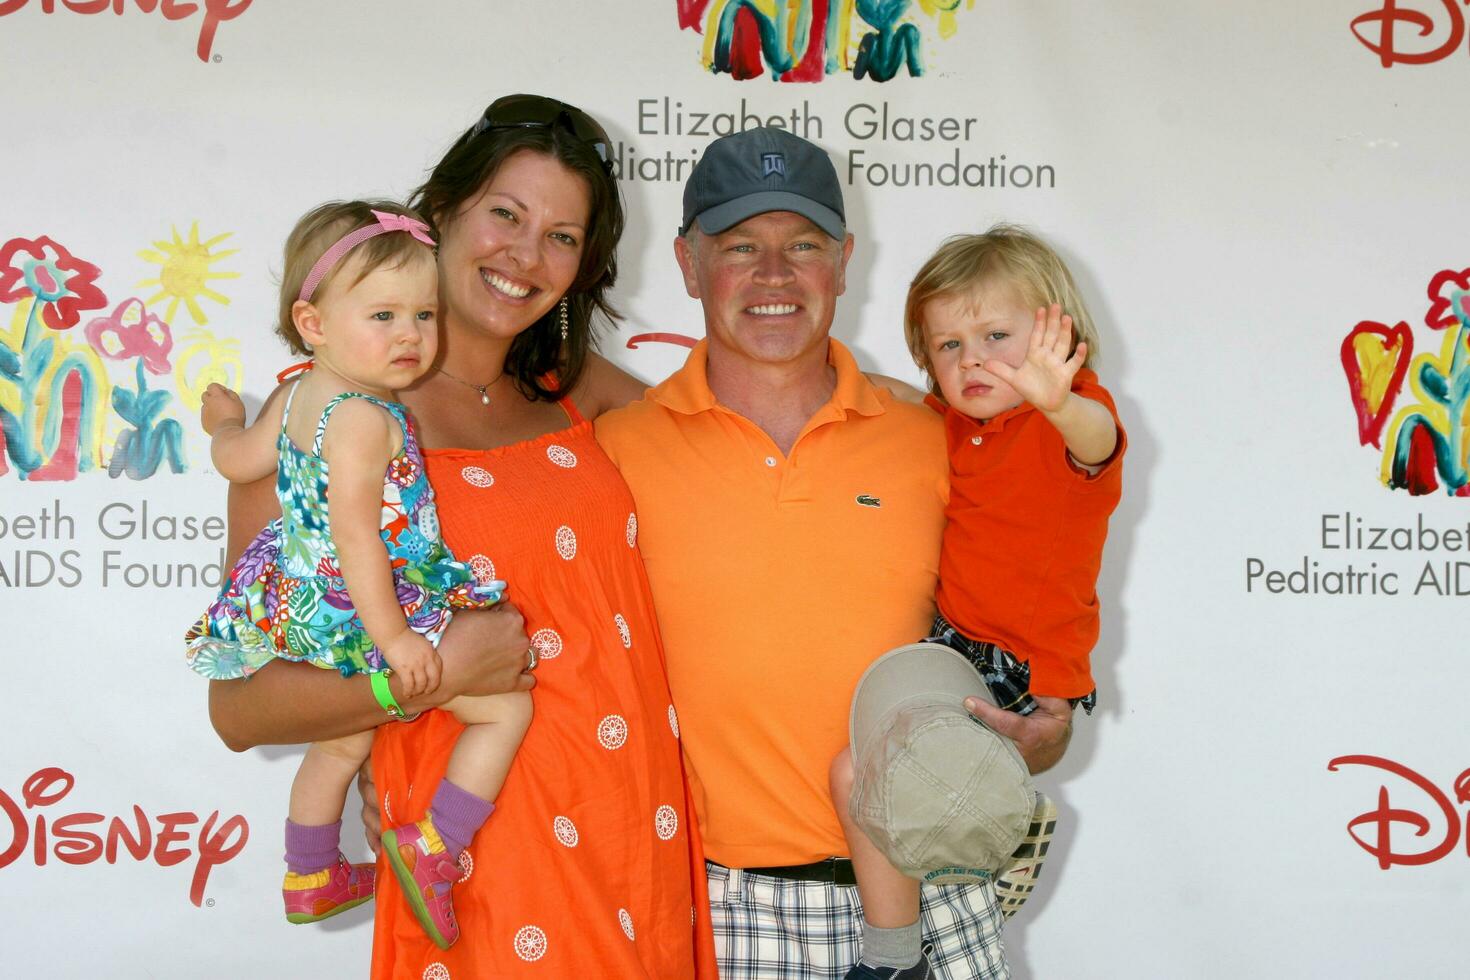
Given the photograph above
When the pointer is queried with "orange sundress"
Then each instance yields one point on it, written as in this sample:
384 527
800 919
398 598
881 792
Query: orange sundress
591 865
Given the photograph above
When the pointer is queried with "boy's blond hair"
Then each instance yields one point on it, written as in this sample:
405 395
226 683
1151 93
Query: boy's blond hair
321 228
1006 255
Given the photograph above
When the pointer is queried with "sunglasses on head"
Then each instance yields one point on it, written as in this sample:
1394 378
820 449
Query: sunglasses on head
540 112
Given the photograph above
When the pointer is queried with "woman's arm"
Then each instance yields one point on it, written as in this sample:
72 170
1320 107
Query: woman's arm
604 386
249 507
286 703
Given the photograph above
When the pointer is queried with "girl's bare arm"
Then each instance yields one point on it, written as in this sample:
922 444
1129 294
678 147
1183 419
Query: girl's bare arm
241 453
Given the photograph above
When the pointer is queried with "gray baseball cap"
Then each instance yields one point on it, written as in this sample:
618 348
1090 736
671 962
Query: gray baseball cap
759 170
946 799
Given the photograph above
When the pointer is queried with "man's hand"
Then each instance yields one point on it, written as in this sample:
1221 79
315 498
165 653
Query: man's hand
1041 736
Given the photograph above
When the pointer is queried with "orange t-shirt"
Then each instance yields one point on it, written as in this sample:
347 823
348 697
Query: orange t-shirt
1024 539
777 580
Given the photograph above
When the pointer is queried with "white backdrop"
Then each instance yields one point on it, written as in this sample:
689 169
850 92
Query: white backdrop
1236 187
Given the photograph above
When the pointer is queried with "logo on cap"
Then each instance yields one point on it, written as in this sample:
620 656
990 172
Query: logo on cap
773 163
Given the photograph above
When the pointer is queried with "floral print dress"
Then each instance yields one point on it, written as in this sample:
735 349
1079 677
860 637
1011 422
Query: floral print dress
285 597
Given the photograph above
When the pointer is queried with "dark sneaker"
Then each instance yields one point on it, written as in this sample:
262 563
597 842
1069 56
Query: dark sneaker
919 971
1017 877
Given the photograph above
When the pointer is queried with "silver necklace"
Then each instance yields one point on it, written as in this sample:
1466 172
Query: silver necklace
482 389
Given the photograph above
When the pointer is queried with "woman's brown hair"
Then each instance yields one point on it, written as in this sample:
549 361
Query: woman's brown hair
474 158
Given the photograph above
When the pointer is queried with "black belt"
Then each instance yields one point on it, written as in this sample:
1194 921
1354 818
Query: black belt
834 870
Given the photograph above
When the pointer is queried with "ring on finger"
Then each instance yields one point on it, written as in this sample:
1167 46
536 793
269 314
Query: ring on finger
532 658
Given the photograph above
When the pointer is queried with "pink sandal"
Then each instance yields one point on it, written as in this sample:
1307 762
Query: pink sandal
426 873
322 894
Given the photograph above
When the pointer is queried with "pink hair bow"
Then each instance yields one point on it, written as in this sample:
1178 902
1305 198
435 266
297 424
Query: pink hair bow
387 222
405 222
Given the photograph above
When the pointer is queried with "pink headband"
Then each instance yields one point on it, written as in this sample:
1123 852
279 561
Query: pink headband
386 222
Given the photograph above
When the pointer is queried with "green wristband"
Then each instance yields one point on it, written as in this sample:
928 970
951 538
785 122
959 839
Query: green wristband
384 694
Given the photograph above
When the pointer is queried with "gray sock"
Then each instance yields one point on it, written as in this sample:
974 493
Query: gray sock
895 948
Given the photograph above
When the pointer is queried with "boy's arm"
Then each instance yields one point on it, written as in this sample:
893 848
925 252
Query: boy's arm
360 440
1045 380
901 390
240 453
1088 429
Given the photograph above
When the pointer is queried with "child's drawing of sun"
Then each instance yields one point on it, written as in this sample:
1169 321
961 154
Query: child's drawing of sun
185 273
945 12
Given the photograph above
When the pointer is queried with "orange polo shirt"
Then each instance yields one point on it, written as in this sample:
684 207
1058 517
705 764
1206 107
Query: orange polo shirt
1024 539
777 580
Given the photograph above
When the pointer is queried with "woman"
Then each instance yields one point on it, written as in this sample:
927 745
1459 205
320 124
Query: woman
591 865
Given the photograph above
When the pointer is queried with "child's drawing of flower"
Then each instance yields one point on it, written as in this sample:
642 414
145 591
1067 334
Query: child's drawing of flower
62 284
131 331
1443 289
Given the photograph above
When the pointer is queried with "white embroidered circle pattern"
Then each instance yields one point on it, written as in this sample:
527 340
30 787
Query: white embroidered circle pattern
530 943
673 721
477 476
482 568
623 632
632 530
665 822
429 522
467 865
626 921
566 542
565 831
436 971
612 732
547 643
561 456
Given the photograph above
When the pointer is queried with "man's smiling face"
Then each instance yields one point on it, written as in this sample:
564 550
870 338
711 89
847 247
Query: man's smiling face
769 285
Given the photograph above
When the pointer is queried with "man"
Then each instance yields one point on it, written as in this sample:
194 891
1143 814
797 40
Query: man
789 514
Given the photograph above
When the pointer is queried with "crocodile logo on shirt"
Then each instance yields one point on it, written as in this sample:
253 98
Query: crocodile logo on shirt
869 501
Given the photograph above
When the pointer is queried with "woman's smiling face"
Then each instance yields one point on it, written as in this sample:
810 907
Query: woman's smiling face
514 249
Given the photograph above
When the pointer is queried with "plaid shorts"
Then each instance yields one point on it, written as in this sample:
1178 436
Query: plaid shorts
775 929
1008 678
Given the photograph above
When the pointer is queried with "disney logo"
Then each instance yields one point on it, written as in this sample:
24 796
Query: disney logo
216 12
82 838
1379 822
1438 34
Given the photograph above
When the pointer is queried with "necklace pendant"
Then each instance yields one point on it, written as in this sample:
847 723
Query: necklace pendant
484 398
